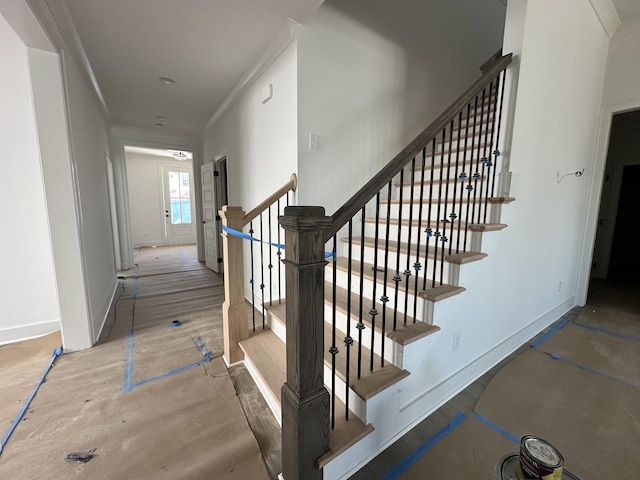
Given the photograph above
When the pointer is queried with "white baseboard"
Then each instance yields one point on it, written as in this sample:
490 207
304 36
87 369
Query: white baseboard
108 304
26 332
419 408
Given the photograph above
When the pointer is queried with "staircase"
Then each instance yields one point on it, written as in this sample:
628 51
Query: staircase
396 255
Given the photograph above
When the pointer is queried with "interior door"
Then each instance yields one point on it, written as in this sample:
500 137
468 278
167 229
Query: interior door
210 213
220 187
178 208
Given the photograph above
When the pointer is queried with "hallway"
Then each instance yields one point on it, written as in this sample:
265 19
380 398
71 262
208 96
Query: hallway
150 401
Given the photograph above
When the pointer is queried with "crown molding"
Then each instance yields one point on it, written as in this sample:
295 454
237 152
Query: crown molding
271 53
56 20
607 15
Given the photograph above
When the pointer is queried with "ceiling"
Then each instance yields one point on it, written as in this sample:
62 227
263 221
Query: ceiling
206 46
627 9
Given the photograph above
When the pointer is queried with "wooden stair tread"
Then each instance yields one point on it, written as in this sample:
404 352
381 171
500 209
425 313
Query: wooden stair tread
440 292
370 383
450 200
455 258
487 227
474 227
268 355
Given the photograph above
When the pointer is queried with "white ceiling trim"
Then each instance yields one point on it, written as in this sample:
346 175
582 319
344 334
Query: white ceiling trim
273 51
56 19
607 15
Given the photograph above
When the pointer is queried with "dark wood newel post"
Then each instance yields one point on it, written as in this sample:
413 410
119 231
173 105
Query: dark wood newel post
304 399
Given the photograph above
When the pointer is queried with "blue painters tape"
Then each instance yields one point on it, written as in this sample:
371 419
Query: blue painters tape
547 335
608 332
500 430
239 234
555 356
128 369
281 246
171 373
25 406
418 453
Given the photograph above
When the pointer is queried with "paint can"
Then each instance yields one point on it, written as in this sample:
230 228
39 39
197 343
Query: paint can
539 460
508 468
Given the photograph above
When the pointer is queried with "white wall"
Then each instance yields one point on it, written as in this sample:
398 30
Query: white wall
259 139
89 147
144 175
28 297
53 137
530 277
372 75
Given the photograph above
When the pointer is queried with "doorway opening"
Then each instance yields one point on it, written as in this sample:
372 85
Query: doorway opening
214 197
613 255
161 196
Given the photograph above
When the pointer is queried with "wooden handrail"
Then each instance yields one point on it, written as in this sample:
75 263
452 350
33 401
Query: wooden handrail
494 58
384 176
292 184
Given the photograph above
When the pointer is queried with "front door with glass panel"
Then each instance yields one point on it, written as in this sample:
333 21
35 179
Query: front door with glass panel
179 213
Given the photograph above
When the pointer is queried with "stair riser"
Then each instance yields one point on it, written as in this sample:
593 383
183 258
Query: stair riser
469 213
416 233
438 190
390 347
367 288
357 405
391 263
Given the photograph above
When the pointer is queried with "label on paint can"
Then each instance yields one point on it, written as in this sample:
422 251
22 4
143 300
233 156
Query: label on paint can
539 460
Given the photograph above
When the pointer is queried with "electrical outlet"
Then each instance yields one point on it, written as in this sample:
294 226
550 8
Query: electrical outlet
457 338
314 141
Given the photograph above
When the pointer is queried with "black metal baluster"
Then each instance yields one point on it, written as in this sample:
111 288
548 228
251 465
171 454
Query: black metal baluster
407 270
262 300
348 341
437 234
270 266
279 255
469 185
429 231
396 278
444 219
360 324
417 266
385 299
476 174
252 281
462 178
374 312
453 216
333 350
486 157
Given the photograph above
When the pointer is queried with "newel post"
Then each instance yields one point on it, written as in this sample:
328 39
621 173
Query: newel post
304 399
235 310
